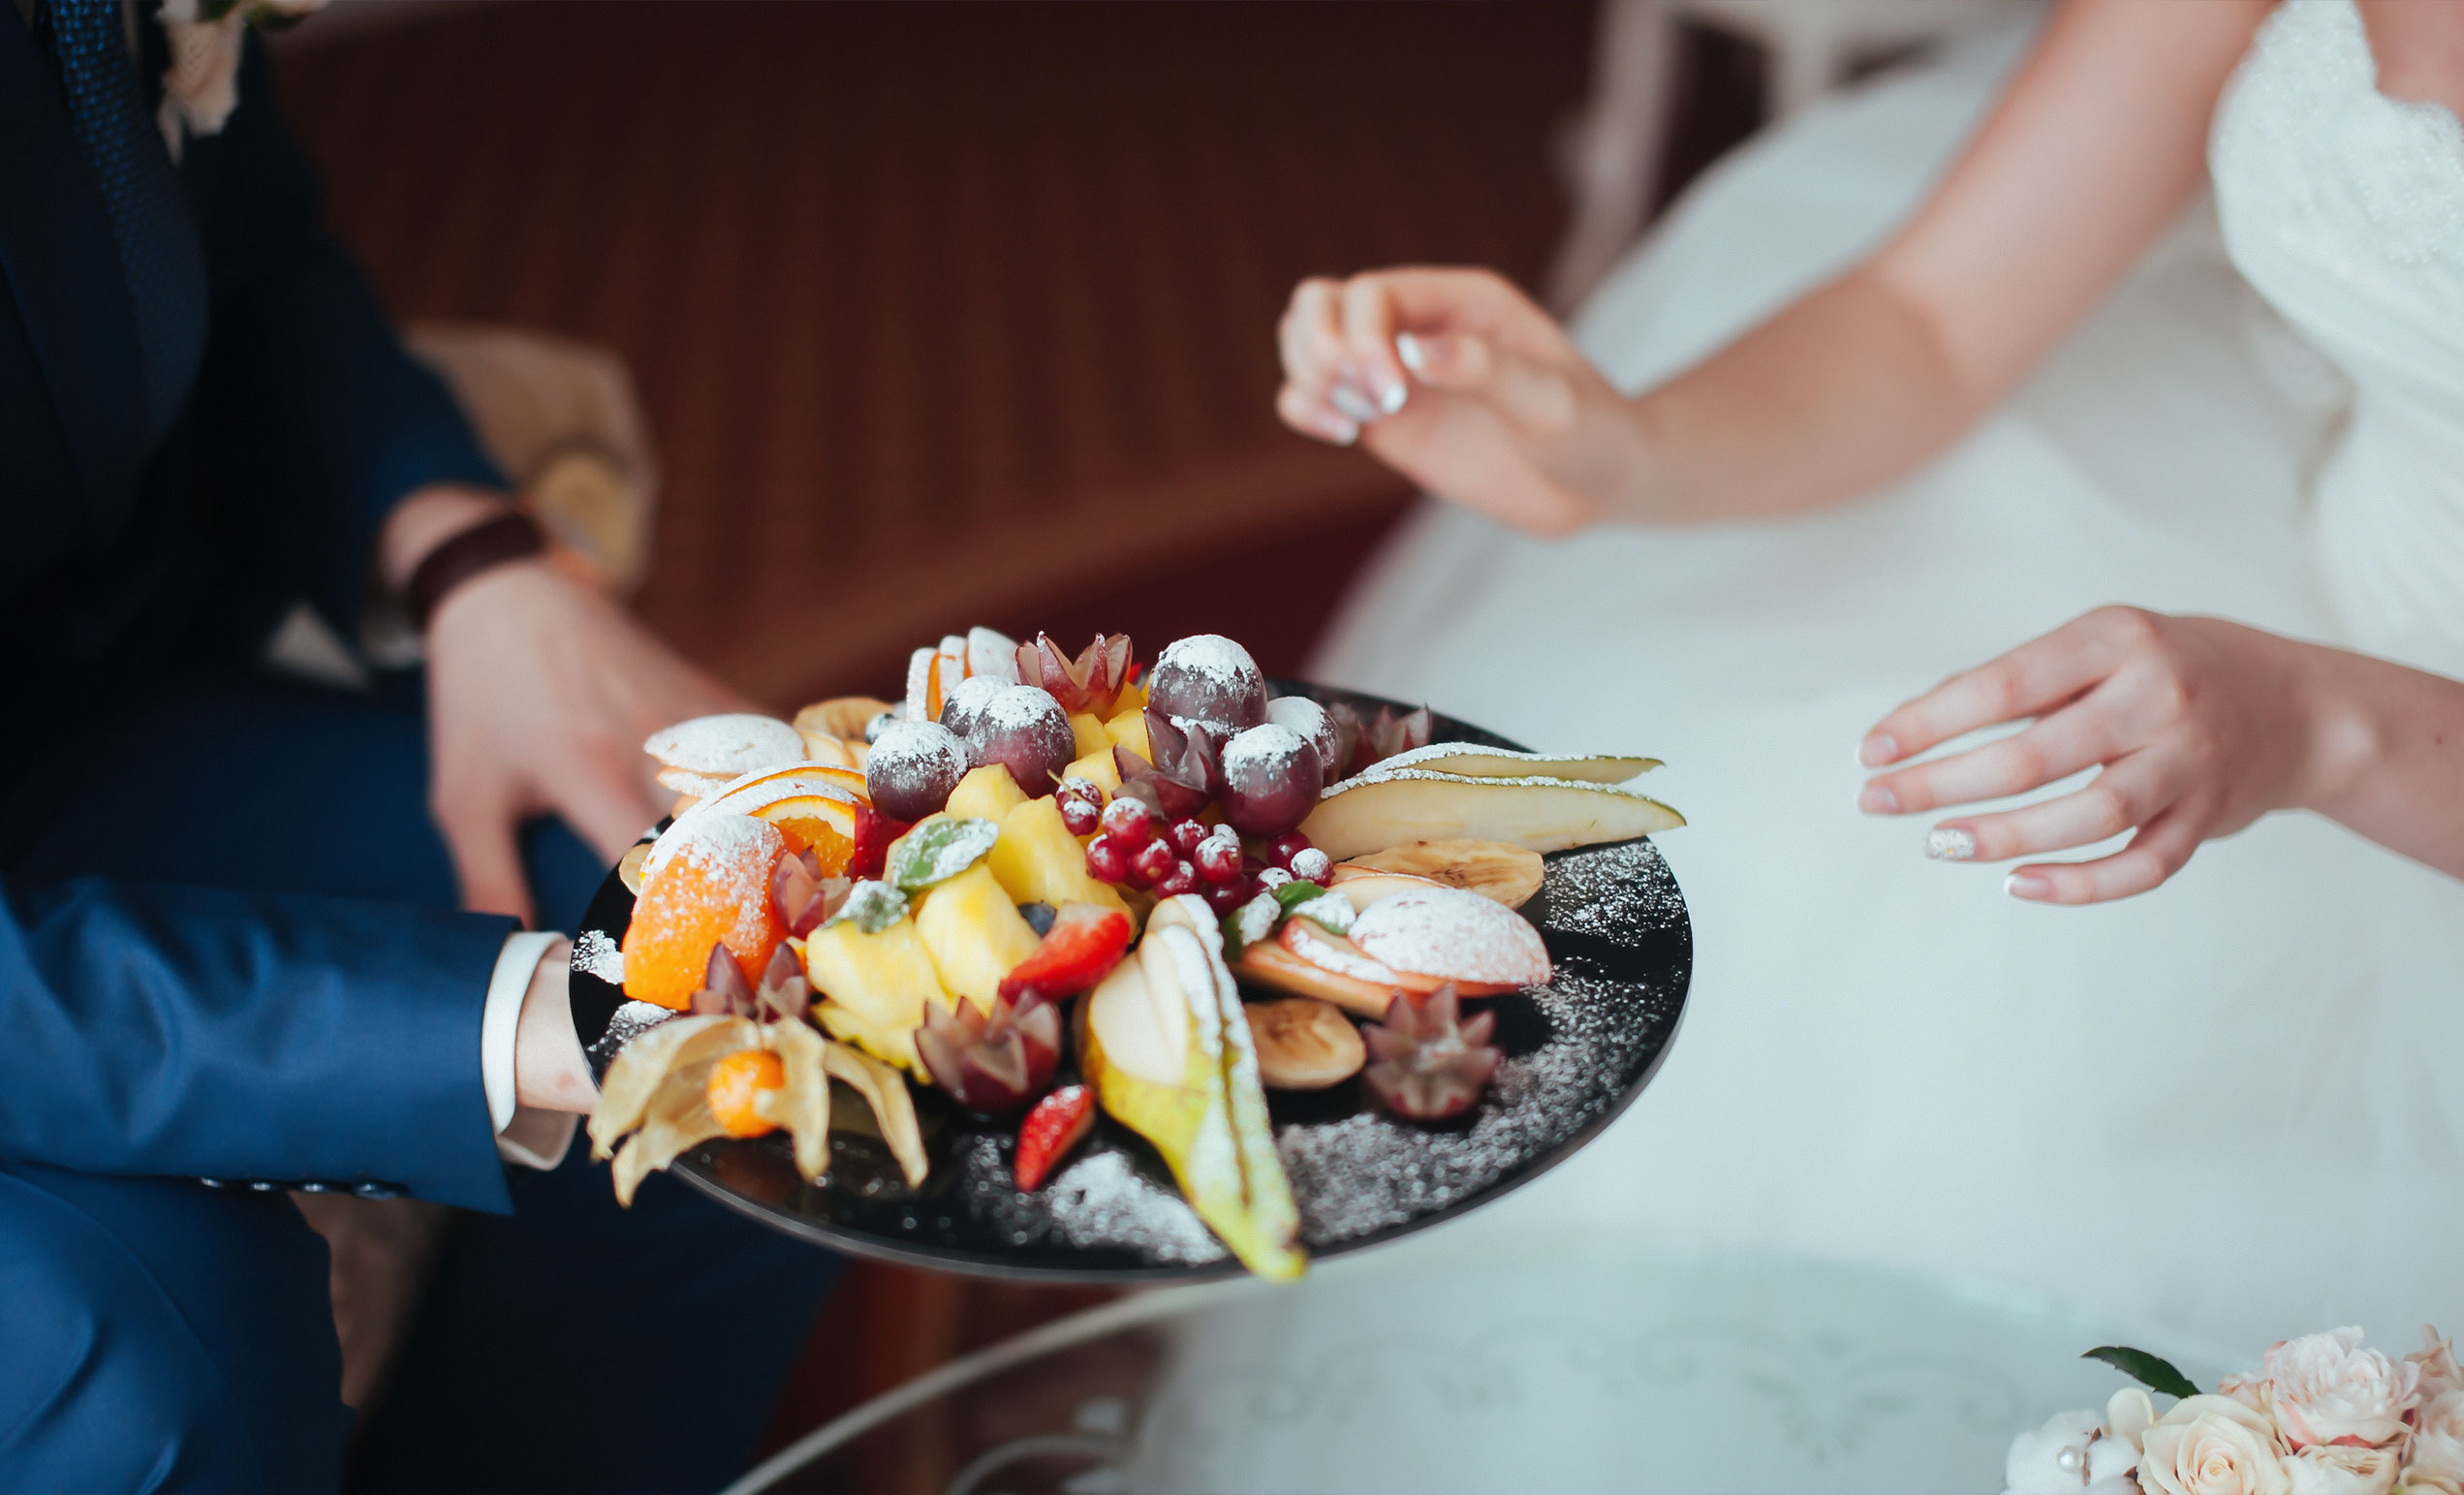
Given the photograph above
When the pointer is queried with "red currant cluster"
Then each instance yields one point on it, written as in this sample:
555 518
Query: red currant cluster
1134 848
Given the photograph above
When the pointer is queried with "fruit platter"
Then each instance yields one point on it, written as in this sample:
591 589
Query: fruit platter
1065 967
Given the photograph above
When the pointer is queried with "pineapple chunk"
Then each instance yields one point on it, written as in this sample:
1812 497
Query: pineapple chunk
1037 860
972 929
1128 730
988 792
880 981
894 1046
1133 698
1088 729
1097 768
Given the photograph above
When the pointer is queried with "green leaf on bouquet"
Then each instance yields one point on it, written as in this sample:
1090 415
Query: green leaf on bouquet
2153 1372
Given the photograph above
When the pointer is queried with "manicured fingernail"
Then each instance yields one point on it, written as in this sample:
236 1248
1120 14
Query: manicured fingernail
1877 799
1352 402
1876 749
1949 843
1407 348
1391 395
2019 884
1341 432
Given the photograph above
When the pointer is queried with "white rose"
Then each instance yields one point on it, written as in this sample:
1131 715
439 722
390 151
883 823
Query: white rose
2066 1456
2437 1359
2211 1446
2128 1414
2338 1469
2437 1446
2329 1390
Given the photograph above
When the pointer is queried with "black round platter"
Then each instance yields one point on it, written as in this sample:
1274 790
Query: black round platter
1578 1051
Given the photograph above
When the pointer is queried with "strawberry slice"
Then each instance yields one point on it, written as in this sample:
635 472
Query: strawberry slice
874 831
1059 1122
1085 942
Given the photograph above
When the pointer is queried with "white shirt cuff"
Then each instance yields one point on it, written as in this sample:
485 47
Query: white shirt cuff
534 1139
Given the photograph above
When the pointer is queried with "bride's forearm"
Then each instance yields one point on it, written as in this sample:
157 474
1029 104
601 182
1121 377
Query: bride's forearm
2387 756
1845 389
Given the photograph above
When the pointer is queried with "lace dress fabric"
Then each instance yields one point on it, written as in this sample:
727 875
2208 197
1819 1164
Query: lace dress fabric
2345 210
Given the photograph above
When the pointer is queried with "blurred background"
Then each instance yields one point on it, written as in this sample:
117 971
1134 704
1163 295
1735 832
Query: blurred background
916 317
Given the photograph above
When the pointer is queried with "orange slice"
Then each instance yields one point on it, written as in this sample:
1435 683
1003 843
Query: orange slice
735 1082
713 889
826 825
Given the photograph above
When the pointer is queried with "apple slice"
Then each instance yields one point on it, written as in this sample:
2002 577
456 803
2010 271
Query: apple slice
1472 761
1270 963
1382 810
1445 934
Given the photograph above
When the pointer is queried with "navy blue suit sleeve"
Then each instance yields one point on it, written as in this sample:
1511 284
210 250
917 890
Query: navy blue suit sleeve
157 1030
324 417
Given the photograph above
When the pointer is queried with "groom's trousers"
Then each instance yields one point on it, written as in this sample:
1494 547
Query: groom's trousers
165 1334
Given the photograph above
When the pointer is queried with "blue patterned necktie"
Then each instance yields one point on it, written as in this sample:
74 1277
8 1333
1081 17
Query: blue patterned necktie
162 261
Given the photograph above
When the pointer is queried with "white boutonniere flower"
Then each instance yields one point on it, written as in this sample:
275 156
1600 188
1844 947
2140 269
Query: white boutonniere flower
201 86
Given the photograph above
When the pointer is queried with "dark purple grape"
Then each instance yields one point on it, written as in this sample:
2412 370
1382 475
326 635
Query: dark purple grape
913 768
1025 730
1315 727
1208 677
964 704
1272 780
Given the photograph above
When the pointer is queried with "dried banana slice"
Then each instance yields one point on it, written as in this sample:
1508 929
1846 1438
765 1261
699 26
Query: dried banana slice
1497 870
1304 1044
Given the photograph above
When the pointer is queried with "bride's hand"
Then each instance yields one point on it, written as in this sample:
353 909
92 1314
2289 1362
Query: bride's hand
2201 726
1454 378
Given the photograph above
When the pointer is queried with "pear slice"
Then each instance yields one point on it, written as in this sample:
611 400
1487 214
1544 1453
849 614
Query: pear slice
1472 761
1383 810
1206 1110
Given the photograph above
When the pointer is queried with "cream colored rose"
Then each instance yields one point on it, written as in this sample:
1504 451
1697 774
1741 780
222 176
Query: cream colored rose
2211 1446
2437 1457
2437 1359
2128 1414
2334 1469
2329 1390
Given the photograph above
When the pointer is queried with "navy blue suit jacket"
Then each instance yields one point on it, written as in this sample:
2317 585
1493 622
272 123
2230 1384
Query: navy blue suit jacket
149 1028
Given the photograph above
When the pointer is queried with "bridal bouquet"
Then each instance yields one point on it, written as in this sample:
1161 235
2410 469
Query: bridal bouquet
2321 1416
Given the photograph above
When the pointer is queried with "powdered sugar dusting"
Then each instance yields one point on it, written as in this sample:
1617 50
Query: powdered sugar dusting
1023 708
1220 660
598 956
1449 932
1098 1201
631 1021
733 855
1371 1172
725 745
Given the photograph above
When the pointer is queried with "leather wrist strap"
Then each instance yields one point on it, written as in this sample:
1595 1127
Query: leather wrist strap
484 547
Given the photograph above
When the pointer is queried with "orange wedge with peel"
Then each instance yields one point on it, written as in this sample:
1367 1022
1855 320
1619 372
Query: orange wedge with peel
714 888
824 824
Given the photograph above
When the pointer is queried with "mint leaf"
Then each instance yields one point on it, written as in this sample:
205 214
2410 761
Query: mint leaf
1309 900
2150 1371
938 850
1249 923
1295 893
871 907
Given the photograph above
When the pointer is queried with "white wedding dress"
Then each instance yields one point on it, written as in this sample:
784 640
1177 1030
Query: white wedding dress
2232 1110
